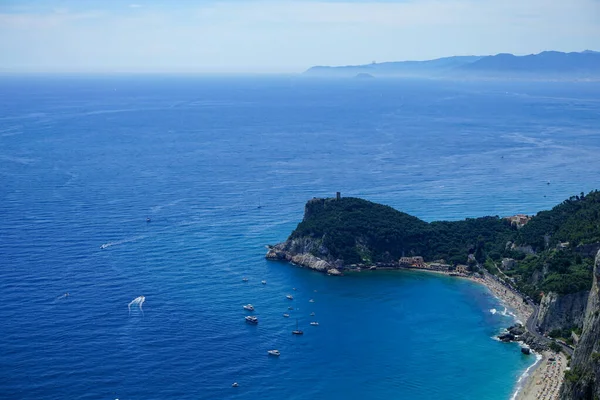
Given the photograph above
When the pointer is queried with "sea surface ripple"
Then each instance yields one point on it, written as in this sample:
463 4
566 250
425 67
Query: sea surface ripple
223 166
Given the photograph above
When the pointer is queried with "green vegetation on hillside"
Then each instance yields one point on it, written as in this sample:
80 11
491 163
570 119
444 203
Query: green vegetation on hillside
575 220
358 231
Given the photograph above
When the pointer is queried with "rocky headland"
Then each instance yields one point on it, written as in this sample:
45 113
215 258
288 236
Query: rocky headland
542 269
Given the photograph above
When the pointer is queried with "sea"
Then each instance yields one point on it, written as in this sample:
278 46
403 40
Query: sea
169 187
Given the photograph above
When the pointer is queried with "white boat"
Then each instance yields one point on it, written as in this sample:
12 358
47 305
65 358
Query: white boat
289 296
249 307
297 331
274 352
312 314
104 246
264 282
314 323
294 288
251 319
311 301
234 384
290 308
245 279
286 315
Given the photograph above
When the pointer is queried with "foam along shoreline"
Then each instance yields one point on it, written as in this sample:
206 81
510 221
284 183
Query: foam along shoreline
535 382
520 311
542 379
524 380
545 380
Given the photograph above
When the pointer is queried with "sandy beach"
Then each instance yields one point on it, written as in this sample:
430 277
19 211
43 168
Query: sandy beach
545 380
546 377
511 299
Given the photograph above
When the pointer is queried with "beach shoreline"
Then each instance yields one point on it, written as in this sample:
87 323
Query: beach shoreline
535 382
543 379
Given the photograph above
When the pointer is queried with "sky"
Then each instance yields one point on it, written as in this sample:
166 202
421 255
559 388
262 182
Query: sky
279 36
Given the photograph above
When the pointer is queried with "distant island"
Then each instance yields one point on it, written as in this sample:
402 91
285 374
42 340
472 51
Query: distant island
364 75
545 65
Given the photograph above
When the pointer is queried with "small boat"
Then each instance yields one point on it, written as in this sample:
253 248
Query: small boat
251 319
263 282
104 246
297 331
286 315
294 288
249 307
314 323
312 314
311 301
289 296
245 279
290 308
274 353
234 384
148 219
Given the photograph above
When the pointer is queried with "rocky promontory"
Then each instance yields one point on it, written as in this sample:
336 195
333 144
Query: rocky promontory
518 333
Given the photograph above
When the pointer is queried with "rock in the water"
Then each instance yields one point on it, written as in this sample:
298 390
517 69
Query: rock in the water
506 337
517 329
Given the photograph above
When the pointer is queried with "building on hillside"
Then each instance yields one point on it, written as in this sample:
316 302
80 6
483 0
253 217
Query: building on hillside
439 266
418 262
518 220
406 261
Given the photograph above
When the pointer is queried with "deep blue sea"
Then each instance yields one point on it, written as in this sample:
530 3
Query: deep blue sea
85 160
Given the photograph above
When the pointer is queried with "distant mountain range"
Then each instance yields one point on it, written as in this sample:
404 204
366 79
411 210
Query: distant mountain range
545 65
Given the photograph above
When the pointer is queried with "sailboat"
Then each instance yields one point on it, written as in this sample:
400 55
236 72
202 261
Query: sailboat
297 331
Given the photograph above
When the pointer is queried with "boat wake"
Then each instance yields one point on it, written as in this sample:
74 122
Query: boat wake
156 209
62 297
139 301
111 244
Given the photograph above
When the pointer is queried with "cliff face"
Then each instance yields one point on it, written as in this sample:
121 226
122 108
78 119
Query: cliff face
583 381
562 311
302 252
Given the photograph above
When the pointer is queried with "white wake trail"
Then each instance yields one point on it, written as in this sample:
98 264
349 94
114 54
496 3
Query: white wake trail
139 301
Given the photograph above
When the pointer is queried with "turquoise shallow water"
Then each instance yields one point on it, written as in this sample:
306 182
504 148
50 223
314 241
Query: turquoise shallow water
84 161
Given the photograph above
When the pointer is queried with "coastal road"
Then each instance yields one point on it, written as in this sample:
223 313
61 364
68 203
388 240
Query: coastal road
531 324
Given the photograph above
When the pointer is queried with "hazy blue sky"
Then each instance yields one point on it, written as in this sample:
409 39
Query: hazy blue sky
280 35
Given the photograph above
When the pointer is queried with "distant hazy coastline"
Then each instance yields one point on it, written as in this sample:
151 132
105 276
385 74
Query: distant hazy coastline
548 65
